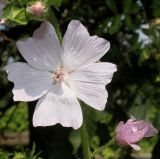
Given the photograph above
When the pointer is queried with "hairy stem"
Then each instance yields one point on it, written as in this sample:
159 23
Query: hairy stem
103 147
85 143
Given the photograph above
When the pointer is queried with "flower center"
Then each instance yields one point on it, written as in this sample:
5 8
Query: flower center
58 76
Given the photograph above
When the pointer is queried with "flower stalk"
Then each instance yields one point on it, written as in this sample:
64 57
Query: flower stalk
97 151
85 143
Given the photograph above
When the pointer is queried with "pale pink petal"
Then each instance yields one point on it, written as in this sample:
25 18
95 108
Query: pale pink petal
79 48
89 82
122 133
130 120
135 146
119 126
133 131
42 51
135 136
120 137
151 131
143 124
36 8
29 83
59 105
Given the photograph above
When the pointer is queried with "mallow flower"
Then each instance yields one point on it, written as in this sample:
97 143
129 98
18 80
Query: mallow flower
133 131
59 75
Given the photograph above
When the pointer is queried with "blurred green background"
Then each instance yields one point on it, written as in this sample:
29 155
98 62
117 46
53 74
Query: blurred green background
133 28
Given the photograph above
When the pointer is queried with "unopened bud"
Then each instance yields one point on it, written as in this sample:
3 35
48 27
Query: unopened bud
2 21
37 9
3 4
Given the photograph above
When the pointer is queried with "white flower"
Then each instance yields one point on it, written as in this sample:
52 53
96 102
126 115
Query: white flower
59 75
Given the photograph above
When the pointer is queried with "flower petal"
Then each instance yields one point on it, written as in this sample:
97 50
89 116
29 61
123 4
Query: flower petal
42 51
29 83
79 48
135 146
151 131
135 137
119 126
59 105
89 83
143 124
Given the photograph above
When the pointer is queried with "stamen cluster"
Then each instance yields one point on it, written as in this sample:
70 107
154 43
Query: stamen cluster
58 76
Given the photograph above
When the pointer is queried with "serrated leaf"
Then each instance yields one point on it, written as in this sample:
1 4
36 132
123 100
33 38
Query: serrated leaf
15 14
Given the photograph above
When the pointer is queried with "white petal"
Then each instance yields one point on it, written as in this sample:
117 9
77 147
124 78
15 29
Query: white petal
29 83
79 48
42 51
89 83
135 146
59 105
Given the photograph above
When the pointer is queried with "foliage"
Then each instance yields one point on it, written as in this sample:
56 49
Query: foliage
15 12
20 154
15 119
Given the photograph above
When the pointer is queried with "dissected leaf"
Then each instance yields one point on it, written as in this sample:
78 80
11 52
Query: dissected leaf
15 14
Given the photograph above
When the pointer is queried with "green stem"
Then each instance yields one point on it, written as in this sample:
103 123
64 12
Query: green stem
85 143
103 147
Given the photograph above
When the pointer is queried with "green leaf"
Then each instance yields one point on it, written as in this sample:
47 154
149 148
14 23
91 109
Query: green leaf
127 5
145 55
143 107
4 155
134 9
111 4
23 2
19 3
148 32
116 24
19 155
157 119
55 3
128 22
156 10
15 14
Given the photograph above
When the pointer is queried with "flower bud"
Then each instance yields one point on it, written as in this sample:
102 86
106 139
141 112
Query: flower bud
3 4
37 9
2 21
133 131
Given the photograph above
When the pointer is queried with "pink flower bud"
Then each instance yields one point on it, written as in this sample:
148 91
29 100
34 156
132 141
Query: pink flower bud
2 21
3 4
37 9
133 131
